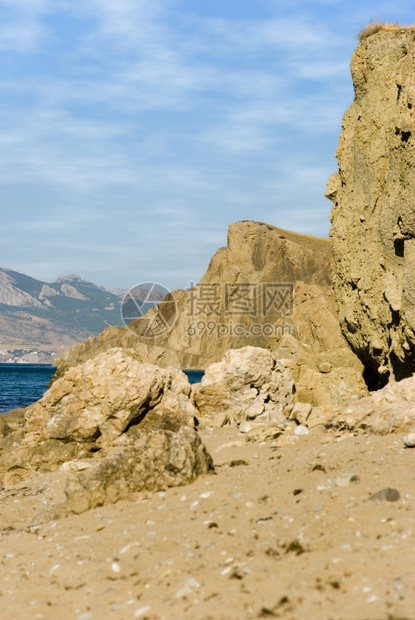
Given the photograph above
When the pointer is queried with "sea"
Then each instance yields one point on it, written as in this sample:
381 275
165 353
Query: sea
23 384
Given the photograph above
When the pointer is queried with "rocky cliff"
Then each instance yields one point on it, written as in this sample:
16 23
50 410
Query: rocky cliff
268 288
373 216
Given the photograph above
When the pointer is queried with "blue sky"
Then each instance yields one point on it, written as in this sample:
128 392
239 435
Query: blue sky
133 132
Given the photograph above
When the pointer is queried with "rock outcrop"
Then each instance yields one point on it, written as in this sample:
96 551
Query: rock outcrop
268 285
70 291
101 417
157 460
389 410
253 389
11 295
373 216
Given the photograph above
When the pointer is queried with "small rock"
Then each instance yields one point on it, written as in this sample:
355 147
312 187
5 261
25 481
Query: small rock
254 410
183 593
192 583
372 599
141 611
290 427
301 411
301 430
286 440
325 367
261 432
385 495
344 480
409 440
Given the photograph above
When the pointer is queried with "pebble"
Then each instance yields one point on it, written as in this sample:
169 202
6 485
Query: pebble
385 495
301 430
344 480
134 543
183 592
116 606
409 440
141 611
206 494
115 567
372 599
192 583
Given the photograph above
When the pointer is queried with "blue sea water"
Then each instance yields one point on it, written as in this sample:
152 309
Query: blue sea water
23 384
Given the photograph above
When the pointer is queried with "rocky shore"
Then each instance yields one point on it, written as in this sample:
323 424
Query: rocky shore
280 486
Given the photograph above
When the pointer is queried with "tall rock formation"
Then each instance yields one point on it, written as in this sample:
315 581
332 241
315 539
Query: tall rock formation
373 216
268 288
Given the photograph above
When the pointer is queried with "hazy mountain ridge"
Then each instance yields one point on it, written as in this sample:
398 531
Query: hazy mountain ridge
51 316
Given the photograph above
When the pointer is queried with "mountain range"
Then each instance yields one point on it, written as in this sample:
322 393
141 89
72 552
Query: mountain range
39 320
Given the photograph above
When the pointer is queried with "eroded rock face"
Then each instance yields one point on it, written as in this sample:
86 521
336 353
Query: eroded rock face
325 386
373 217
389 410
157 460
248 384
260 256
100 399
261 392
95 410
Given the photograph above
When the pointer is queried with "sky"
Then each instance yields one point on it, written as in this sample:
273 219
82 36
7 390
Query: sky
133 132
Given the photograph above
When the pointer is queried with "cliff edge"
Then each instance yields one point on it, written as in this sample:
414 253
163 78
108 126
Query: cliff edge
373 217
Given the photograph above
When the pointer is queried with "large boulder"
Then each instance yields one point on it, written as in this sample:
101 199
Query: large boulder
98 400
266 284
247 384
373 216
153 462
94 410
157 460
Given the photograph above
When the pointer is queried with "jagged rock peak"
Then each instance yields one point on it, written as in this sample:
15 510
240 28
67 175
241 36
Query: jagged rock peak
48 291
74 279
373 217
70 291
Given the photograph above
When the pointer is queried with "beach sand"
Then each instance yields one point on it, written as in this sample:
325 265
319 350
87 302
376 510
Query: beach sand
285 532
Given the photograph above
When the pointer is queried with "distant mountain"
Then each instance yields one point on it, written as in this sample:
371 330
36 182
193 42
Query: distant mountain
41 318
